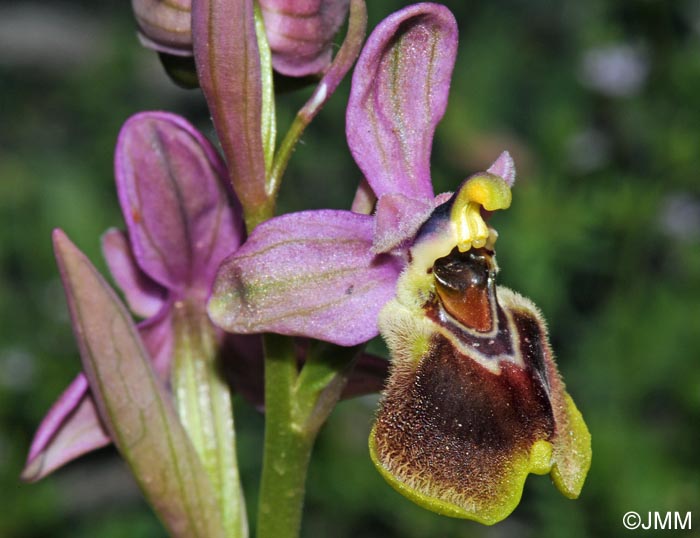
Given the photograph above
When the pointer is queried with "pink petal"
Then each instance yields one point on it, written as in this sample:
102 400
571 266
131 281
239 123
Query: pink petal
306 274
70 429
399 94
504 167
144 297
398 219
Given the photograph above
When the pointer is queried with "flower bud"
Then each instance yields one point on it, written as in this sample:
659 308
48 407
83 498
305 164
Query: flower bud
165 26
301 33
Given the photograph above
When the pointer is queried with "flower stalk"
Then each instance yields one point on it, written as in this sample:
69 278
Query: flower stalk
297 403
287 449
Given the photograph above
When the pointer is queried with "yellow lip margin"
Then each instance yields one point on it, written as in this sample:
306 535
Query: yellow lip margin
537 461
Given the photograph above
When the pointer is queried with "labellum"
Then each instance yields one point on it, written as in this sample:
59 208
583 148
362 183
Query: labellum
474 402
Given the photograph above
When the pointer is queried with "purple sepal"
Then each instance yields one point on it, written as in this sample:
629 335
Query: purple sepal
397 220
182 220
144 297
311 274
399 94
176 207
164 25
149 43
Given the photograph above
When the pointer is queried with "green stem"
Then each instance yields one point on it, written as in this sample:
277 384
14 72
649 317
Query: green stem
296 406
259 213
287 446
204 405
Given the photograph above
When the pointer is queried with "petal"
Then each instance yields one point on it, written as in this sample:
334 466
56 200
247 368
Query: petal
504 167
165 25
571 456
477 429
70 429
306 274
144 297
228 66
398 219
301 33
399 94
134 406
158 337
176 207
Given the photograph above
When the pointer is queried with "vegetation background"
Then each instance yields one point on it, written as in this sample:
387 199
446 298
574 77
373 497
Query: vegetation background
598 101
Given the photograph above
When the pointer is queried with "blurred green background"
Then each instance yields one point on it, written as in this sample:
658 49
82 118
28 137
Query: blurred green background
599 103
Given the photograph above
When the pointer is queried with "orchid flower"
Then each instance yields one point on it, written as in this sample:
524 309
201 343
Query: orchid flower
474 402
300 33
181 221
